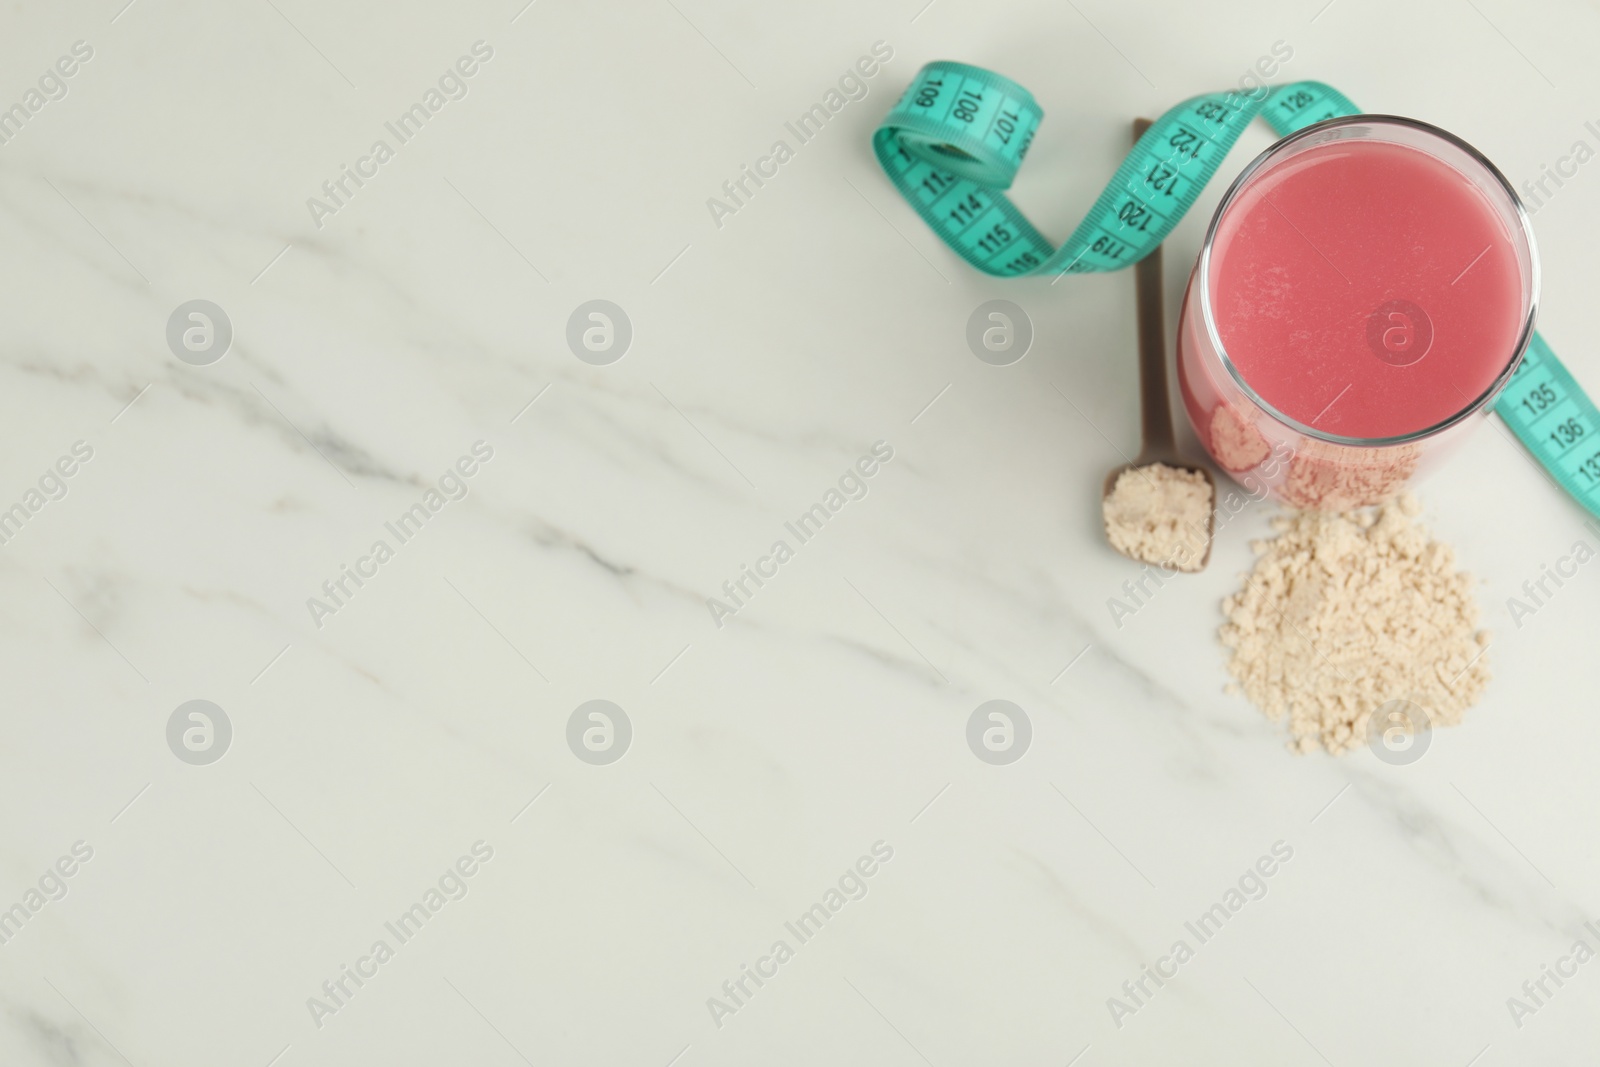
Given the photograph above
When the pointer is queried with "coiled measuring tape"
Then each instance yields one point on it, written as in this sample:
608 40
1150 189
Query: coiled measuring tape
954 142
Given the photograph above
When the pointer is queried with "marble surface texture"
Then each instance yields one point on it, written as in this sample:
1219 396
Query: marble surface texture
395 765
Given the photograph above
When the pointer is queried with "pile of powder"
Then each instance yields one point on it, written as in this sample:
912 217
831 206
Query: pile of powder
1344 613
1160 514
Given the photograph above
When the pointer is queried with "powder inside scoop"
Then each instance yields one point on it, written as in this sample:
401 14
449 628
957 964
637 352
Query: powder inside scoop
1160 514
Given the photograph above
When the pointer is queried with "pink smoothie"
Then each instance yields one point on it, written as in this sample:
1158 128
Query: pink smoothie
1366 289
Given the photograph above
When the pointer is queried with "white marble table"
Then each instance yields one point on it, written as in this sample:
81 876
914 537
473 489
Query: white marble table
397 766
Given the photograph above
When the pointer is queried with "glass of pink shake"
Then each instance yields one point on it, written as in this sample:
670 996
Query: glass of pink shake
1365 289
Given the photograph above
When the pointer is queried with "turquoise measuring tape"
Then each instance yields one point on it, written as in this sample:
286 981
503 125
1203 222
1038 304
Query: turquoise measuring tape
956 139
1555 420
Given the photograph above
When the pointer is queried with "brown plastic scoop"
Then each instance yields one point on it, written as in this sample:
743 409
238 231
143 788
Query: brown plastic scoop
1156 508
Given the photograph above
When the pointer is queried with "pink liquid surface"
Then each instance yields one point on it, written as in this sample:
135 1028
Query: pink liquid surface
1309 255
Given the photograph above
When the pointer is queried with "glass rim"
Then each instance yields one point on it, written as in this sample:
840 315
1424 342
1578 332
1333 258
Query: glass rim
1524 224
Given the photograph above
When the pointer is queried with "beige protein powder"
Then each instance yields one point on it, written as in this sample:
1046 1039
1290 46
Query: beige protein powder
1344 613
1160 514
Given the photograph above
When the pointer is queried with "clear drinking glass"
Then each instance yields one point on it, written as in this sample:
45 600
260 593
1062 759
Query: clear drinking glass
1340 268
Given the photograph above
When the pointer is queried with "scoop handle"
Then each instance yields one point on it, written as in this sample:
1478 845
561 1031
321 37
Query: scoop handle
1155 409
